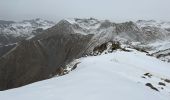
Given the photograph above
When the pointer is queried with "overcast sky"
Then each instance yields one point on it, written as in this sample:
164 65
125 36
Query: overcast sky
116 10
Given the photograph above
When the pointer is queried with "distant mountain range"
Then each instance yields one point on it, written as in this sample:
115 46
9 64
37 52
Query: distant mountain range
33 50
11 32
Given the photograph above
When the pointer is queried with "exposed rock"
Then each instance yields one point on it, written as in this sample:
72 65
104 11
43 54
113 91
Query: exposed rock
167 80
151 86
100 48
115 45
75 66
143 76
161 83
148 75
60 71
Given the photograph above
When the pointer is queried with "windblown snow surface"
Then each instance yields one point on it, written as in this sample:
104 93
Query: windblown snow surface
115 76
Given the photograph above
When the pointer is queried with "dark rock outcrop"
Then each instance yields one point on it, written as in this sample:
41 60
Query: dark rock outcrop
151 86
161 83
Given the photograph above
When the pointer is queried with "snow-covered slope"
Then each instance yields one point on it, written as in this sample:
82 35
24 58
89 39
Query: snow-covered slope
119 75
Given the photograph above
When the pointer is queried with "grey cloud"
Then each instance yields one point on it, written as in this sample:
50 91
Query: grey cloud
102 9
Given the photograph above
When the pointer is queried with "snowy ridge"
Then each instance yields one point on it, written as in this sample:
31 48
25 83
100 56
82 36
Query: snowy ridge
153 23
110 76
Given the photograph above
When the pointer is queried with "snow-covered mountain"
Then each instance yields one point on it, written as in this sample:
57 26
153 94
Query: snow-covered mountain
119 75
11 32
130 63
